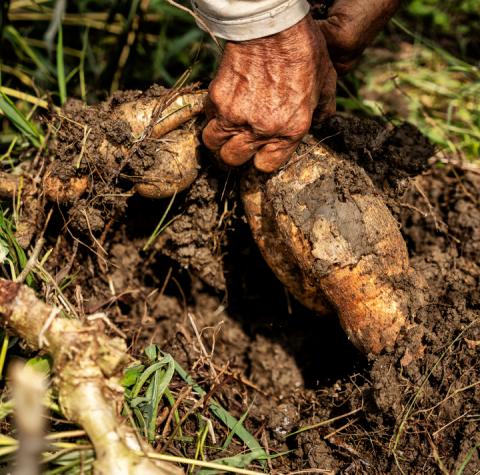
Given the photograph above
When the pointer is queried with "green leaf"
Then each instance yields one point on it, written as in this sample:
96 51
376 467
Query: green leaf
224 416
229 438
42 364
151 352
158 376
146 375
131 375
62 83
238 461
160 382
20 121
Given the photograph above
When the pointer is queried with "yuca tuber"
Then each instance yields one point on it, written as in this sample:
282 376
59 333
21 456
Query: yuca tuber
175 110
139 141
329 237
175 168
64 190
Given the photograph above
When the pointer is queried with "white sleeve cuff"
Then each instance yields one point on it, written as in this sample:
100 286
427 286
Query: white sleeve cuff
251 26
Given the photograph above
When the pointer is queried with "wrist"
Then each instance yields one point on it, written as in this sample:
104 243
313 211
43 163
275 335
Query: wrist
295 45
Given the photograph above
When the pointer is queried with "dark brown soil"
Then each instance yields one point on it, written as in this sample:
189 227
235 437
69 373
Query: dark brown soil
412 410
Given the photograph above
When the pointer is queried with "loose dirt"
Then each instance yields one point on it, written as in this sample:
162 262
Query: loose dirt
411 410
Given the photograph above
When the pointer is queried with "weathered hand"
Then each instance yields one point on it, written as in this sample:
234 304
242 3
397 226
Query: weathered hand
263 96
351 26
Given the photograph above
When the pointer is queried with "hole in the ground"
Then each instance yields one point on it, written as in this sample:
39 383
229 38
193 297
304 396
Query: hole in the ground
260 303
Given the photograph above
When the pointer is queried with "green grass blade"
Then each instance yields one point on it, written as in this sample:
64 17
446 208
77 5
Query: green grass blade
224 416
62 83
229 438
160 228
237 461
16 255
20 121
160 382
17 41
81 66
470 453
146 407
146 375
3 353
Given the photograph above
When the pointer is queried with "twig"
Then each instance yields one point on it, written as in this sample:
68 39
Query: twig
450 423
32 261
336 431
200 342
324 423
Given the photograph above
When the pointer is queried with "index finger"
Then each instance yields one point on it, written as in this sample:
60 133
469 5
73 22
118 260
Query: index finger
216 133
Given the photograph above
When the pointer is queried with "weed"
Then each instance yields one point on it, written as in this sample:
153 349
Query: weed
147 385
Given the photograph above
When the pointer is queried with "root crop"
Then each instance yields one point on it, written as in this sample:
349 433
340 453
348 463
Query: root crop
330 239
320 223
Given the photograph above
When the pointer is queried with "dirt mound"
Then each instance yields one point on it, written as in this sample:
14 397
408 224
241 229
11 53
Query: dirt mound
410 410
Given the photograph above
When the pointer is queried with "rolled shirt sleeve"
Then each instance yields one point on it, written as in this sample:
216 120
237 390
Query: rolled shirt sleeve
241 20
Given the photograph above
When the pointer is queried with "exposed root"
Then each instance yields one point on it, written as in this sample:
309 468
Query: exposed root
9 185
86 365
330 239
138 140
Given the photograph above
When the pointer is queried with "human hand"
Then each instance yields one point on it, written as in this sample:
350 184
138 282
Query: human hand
351 25
263 96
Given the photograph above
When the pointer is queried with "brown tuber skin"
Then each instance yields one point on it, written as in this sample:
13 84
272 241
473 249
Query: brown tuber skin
331 240
179 110
319 223
60 191
175 168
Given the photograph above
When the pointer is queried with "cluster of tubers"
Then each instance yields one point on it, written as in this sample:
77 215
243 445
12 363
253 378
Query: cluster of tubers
175 167
319 222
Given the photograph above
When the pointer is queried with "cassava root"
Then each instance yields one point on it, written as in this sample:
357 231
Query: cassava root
319 222
86 366
148 118
330 239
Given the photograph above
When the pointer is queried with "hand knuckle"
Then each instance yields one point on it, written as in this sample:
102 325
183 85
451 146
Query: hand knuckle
215 94
300 126
347 39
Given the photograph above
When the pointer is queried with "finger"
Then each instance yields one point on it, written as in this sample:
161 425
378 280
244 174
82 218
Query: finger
239 149
274 154
215 134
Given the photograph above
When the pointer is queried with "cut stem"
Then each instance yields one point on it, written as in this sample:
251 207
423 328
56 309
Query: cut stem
87 365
